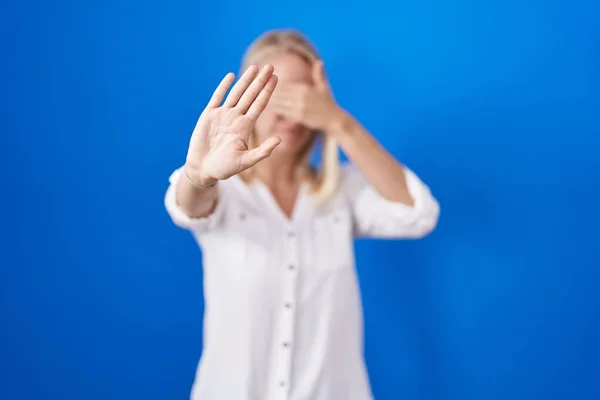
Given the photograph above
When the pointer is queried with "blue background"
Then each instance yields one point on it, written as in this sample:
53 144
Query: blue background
494 104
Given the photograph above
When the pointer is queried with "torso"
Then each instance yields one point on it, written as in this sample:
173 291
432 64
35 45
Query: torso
283 316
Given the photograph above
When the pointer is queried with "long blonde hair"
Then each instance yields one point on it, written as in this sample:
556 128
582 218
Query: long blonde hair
323 181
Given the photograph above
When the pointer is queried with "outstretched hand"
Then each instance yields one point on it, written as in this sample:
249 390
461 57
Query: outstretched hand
219 144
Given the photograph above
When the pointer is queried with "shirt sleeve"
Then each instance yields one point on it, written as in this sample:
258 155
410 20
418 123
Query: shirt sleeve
181 219
374 216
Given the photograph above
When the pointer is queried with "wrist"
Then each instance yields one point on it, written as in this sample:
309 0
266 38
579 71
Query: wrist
338 124
197 178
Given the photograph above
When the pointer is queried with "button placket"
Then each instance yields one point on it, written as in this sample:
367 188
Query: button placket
286 331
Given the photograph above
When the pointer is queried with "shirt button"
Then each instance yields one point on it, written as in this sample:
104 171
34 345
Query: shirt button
282 384
336 219
291 235
291 267
242 216
286 345
288 305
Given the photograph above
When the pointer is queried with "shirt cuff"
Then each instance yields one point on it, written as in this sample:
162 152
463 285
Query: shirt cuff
180 218
424 203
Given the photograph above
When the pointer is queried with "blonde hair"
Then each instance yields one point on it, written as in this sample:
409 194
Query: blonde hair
324 181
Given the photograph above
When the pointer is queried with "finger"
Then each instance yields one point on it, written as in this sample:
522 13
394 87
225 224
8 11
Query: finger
290 89
288 99
283 101
261 101
279 100
255 88
288 112
292 93
283 108
240 87
253 156
219 93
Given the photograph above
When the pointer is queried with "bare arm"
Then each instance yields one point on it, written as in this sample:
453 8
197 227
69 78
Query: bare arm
195 200
388 199
386 175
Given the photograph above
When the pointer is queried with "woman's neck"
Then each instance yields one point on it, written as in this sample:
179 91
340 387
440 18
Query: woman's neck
277 172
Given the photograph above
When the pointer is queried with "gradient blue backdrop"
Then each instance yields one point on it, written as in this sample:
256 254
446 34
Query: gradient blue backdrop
494 104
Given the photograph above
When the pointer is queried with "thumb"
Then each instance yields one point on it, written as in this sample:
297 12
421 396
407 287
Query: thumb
253 156
319 76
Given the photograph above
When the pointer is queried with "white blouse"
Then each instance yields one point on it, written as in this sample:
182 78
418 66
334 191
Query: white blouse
283 314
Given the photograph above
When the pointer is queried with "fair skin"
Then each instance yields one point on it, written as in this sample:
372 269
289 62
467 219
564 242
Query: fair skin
283 110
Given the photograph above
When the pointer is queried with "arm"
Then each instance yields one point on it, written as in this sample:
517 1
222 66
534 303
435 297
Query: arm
386 175
196 199
191 207
387 198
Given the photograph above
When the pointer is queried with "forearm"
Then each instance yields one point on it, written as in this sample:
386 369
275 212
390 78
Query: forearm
383 172
195 201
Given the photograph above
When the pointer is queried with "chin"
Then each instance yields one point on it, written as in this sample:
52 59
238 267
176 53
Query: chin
293 141
288 146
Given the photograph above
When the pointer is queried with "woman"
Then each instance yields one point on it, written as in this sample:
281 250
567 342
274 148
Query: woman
283 316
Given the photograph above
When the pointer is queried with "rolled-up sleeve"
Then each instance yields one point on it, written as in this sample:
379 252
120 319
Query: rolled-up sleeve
181 219
374 216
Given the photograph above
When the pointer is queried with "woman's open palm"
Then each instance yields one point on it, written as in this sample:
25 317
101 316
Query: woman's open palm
219 144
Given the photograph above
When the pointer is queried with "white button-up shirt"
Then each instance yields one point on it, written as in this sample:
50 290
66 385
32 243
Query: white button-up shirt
283 314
